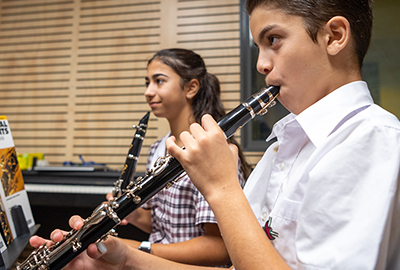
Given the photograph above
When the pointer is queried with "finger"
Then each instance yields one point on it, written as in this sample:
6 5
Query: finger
95 251
196 132
109 196
76 222
209 124
172 137
112 250
188 138
172 147
57 235
36 241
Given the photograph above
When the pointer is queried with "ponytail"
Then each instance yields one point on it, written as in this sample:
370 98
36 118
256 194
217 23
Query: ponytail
207 99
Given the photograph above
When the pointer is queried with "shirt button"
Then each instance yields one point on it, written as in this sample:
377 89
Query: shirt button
264 216
282 166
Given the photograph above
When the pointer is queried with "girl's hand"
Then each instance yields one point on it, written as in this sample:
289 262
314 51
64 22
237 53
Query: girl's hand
111 254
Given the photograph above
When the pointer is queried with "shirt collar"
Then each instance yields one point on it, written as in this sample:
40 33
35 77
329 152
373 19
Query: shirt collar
323 117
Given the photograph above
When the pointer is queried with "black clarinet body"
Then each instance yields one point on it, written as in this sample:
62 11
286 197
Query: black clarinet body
165 172
129 169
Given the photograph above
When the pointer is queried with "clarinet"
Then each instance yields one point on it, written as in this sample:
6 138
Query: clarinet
165 172
129 169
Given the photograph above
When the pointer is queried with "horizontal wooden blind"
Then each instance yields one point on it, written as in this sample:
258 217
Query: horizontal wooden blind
72 71
72 75
36 52
115 41
212 29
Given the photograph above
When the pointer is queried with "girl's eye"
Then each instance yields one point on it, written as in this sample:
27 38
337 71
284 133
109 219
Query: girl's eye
159 81
147 84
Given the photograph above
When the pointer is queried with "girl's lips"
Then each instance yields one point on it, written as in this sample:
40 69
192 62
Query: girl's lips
153 104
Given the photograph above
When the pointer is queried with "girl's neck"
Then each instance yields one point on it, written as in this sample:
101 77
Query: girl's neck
180 124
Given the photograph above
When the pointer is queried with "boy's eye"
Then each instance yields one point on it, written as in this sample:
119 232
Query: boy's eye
272 39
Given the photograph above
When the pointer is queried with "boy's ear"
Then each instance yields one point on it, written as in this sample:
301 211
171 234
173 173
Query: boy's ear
338 34
191 88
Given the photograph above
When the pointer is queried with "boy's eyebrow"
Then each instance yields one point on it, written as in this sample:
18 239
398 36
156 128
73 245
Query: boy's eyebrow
265 31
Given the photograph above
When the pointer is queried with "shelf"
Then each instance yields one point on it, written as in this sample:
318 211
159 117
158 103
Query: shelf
11 254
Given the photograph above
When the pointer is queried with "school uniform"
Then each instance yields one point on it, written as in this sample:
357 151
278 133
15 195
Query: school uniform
327 192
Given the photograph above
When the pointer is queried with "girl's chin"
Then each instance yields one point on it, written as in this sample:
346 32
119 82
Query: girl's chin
157 113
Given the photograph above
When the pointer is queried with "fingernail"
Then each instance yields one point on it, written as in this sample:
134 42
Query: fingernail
101 247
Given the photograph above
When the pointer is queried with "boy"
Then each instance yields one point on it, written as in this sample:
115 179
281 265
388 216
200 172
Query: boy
327 192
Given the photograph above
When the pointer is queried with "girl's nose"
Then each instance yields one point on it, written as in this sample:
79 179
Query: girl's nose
149 91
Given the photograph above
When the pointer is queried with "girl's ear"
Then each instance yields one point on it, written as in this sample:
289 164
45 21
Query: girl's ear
191 88
337 34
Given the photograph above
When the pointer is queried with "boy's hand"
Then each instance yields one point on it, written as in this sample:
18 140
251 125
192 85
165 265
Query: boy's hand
209 160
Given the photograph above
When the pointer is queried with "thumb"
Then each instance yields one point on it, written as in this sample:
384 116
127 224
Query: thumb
112 251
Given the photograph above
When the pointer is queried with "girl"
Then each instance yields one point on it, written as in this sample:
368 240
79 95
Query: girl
181 224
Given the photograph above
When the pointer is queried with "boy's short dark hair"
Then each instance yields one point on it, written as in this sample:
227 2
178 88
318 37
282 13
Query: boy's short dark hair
315 13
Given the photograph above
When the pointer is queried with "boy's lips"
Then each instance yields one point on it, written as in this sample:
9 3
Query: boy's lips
271 83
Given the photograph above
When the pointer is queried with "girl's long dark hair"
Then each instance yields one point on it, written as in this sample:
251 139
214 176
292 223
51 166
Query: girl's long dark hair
189 65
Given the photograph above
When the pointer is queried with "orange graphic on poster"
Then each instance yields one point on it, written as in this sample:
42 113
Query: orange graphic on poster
11 175
5 226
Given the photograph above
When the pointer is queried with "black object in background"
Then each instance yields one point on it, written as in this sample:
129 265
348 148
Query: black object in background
20 225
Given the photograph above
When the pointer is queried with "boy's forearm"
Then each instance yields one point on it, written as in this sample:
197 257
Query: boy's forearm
244 238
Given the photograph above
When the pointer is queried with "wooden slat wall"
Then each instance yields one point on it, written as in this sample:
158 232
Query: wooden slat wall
36 52
115 40
212 29
72 71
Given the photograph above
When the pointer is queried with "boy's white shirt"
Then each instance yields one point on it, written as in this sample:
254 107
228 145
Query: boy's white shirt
332 190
